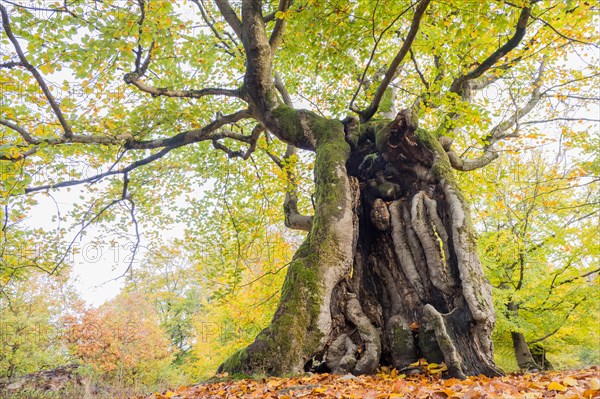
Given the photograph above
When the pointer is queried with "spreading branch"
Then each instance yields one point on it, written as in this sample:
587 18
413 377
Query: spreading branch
208 132
368 113
134 79
511 44
68 133
501 130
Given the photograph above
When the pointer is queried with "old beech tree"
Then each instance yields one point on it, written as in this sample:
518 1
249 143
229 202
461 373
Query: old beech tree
400 98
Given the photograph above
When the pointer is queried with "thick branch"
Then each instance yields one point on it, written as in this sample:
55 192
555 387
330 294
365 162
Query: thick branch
230 16
133 79
277 32
196 135
466 165
294 219
457 85
259 73
368 113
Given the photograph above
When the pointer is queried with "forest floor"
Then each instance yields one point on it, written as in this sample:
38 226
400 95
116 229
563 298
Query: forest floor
389 384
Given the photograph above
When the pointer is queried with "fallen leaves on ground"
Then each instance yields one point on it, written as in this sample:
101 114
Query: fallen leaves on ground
391 384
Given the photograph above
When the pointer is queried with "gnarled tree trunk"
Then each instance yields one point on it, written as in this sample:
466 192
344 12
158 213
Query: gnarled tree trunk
389 271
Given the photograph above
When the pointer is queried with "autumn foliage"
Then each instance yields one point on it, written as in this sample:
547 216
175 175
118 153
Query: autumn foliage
388 384
121 339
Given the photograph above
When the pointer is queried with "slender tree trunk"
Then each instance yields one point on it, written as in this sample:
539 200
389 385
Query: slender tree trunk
522 353
389 271
538 352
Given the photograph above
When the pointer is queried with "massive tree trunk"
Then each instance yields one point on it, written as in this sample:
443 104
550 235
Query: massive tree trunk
389 271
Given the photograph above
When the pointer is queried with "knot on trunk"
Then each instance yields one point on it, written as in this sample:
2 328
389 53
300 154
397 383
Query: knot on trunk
380 215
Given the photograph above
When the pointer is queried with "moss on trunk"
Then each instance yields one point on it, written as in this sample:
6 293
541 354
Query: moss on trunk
389 271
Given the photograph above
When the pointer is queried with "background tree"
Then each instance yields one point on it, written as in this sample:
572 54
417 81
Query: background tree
539 223
167 281
30 329
122 341
389 270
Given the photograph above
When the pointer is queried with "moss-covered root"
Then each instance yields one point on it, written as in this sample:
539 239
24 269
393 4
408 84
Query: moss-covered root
302 323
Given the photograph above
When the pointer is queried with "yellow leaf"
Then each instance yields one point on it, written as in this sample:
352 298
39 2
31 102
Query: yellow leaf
570 382
555 386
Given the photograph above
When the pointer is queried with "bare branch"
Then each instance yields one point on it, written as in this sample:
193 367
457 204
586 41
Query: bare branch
92 179
559 119
499 131
38 77
368 113
421 76
363 79
287 100
570 39
253 141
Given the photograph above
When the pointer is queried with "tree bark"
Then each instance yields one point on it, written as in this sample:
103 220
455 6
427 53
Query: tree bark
538 352
524 357
389 271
